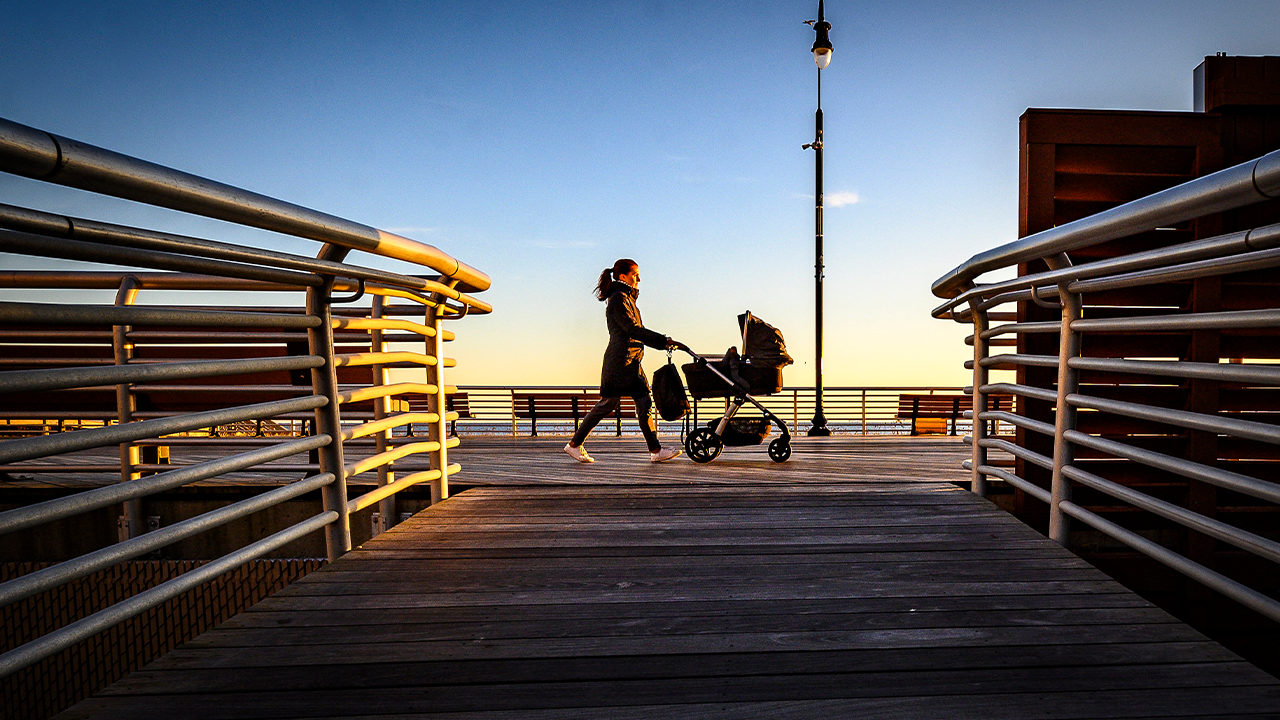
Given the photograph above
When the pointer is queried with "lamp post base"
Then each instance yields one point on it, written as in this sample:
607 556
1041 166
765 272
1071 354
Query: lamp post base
819 428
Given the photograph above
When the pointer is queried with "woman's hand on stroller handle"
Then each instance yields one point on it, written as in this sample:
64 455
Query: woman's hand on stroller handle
677 345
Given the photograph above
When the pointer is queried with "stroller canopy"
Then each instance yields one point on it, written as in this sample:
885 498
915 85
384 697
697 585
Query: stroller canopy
762 344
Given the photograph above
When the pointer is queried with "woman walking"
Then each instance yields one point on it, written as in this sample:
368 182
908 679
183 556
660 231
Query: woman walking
622 376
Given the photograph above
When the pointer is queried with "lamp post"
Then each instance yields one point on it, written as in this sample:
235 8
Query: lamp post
822 58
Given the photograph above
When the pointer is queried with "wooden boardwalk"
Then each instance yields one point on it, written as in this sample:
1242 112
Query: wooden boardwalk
886 600
838 459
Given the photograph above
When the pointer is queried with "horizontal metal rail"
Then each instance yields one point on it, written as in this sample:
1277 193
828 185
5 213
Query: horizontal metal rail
33 380
1230 244
44 314
1182 418
1226 479
1259 374
1247 596
51 247
64 572
42 446
92 231
98 498
1242 539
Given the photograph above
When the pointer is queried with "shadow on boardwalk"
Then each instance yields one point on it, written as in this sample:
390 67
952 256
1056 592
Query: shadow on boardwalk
859 600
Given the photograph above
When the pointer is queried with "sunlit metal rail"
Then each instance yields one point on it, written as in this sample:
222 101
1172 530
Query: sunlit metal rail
280 361
1090 387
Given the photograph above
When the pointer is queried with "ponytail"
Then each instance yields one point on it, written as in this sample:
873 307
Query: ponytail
623 265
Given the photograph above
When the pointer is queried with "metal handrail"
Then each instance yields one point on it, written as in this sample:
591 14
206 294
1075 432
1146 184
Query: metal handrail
89 357
967 300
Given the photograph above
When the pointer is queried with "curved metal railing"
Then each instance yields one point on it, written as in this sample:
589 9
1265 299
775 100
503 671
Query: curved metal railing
288 357
1115 386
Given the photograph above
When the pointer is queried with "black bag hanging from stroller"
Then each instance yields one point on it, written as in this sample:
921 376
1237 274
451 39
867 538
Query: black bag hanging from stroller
668 392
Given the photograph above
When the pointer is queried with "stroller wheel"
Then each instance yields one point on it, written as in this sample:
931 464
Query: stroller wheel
703 445
779 449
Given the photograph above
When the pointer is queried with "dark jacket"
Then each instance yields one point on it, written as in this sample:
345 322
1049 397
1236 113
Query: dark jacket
622 375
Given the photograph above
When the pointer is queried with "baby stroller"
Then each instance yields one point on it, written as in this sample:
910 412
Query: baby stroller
758 371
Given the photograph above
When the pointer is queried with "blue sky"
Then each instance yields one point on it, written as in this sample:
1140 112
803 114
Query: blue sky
539 142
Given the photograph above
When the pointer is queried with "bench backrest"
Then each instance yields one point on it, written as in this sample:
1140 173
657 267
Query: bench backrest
945 405
561 406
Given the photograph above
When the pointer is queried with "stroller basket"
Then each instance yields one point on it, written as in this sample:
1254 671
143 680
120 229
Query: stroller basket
703 383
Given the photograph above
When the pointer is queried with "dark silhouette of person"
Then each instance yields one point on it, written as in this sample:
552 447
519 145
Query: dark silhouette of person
621 376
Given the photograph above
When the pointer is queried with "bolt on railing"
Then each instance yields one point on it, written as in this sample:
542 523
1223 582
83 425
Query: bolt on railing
1091 392
147 378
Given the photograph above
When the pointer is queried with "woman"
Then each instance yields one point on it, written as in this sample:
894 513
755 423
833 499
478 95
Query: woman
622 376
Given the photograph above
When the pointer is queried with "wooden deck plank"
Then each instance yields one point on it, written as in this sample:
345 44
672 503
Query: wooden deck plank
903 599
1148 683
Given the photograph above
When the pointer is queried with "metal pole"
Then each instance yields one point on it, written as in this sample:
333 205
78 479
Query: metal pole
126 404
819 427
381 408
1065 415
864 413
324 382
438 402
981 374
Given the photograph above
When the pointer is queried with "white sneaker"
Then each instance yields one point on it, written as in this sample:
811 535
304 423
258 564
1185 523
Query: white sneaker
578 453
664 454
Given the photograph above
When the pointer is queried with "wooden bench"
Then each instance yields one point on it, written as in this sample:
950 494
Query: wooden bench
533 406
457 402
943 407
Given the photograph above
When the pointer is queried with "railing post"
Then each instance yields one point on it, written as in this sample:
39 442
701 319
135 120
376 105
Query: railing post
1065 415
324 382
438 402
864 412
981 348
126 403
387 512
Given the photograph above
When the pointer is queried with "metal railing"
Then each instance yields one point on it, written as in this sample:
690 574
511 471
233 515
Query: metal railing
135 378
1148 372
849 410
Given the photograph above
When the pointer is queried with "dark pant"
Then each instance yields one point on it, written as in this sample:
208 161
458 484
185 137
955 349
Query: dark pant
607 406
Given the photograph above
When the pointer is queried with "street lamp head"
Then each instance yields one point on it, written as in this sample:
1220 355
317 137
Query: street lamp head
822 45
822 57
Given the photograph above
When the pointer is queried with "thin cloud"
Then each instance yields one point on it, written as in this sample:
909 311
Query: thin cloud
840 199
